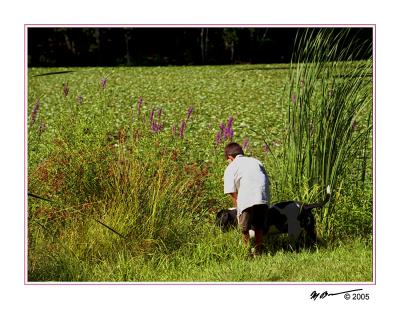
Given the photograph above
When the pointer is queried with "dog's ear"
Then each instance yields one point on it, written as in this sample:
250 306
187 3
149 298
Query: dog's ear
219 214
220 218
225 218
224 222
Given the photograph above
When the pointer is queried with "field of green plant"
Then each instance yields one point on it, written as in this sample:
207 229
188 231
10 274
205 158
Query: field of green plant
131 162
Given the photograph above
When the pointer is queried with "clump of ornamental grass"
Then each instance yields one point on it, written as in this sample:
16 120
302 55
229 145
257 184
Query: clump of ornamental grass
329 120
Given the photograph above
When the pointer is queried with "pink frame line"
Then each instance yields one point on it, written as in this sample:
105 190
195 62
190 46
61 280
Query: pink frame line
374 264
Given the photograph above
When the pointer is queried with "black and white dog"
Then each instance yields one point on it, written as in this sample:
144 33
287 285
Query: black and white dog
293 218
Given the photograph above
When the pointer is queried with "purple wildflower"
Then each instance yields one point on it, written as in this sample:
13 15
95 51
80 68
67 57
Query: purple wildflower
225 131
218 138
294 98
182 129
152 115
35 111
245 144
228 134
222 127
66 89
104 83
139 105
174 130
189 113
156 127
266 148
230 122
159 114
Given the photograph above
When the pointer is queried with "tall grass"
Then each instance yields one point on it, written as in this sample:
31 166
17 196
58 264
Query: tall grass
329 120
132 191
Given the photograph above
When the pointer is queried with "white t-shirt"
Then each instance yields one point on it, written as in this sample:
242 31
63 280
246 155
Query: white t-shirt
247 177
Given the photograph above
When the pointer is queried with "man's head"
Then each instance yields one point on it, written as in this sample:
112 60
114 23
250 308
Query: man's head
232 150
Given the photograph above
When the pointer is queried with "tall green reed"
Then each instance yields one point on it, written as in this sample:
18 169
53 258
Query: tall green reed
329 103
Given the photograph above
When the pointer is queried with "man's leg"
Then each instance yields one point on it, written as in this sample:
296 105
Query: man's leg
258 221
244 226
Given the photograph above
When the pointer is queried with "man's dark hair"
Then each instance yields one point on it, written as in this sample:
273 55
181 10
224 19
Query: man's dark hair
233 149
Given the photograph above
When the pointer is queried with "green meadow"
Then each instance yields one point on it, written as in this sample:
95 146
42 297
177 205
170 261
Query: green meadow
132 162
125 167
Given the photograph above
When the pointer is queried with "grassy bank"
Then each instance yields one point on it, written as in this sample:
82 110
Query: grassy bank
132 161
204 258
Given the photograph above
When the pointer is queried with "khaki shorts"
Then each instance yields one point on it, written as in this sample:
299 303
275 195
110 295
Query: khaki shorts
252 218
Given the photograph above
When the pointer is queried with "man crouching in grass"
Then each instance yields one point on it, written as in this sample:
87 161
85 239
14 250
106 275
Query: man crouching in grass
246 180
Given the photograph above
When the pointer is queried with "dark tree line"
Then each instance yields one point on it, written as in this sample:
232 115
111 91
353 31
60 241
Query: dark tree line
49 46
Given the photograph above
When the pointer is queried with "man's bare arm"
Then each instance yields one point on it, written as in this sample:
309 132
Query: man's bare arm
234 197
